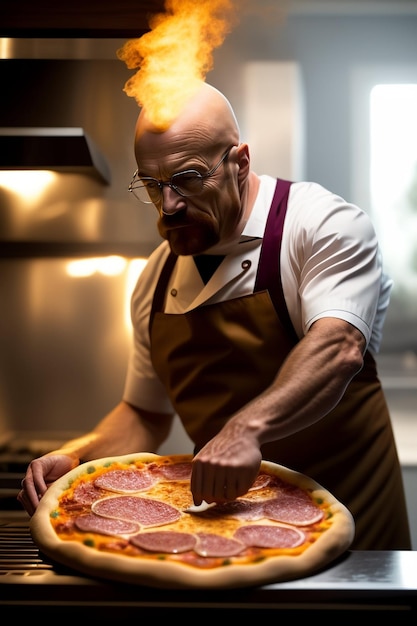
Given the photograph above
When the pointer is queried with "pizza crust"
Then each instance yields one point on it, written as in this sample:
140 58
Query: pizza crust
329 545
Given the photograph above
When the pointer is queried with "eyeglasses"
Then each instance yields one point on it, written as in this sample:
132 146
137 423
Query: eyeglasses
187 183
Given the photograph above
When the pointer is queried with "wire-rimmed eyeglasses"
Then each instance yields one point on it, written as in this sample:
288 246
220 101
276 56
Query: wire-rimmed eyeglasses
187 183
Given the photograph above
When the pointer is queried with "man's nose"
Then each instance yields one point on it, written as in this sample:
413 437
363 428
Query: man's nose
172 202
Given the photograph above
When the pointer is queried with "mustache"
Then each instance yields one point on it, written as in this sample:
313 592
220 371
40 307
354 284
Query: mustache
174 219
183 218
183 227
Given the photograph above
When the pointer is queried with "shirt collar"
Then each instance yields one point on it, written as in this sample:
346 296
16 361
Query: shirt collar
255 226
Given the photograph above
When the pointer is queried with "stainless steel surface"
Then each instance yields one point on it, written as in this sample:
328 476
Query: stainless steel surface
57 149
359 582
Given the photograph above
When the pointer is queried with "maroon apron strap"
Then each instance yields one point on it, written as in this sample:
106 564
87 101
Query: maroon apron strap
269 268
159 293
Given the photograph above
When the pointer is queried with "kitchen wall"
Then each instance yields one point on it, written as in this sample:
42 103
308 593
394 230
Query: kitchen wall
83 89
63 375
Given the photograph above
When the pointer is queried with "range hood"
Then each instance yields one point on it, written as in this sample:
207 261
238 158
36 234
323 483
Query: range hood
58 149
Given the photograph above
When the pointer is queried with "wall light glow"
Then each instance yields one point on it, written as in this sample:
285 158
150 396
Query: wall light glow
113 265
134 270
28 184
108 266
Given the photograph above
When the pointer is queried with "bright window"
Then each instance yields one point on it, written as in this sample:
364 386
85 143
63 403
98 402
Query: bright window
393 179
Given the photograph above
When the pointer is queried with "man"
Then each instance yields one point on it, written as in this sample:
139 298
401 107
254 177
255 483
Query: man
269 354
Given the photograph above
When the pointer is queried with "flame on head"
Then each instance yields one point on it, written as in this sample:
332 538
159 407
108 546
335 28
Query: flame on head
175 55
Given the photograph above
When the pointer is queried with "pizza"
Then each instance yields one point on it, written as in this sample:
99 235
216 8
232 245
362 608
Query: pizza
131 518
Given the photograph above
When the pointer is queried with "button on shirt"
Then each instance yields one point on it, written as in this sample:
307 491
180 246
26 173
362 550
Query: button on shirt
325 240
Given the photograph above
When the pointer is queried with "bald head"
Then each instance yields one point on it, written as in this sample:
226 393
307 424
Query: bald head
206 121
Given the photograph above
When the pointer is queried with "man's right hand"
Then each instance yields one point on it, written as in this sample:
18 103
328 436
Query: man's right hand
41 473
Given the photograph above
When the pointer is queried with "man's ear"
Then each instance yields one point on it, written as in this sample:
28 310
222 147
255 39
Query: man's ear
243 159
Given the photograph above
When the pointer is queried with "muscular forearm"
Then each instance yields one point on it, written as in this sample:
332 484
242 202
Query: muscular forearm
310 383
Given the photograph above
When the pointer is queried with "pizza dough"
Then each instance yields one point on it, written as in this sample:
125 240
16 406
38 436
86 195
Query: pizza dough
124 518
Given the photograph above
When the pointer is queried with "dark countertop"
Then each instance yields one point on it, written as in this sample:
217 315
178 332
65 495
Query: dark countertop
359 581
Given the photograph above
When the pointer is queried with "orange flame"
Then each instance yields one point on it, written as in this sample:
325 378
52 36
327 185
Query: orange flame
175 55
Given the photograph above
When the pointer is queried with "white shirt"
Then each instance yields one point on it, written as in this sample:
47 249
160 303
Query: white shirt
330 267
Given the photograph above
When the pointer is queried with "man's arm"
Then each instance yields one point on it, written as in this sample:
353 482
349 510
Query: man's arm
309 384
124 430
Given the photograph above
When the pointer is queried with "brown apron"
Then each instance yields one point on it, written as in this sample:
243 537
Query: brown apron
216 358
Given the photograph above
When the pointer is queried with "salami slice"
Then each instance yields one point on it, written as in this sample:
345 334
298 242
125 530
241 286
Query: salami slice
177 471
86 493
168 541
145 511
270 536
125 481
245 510
105 525
292 510
261 481
210 544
